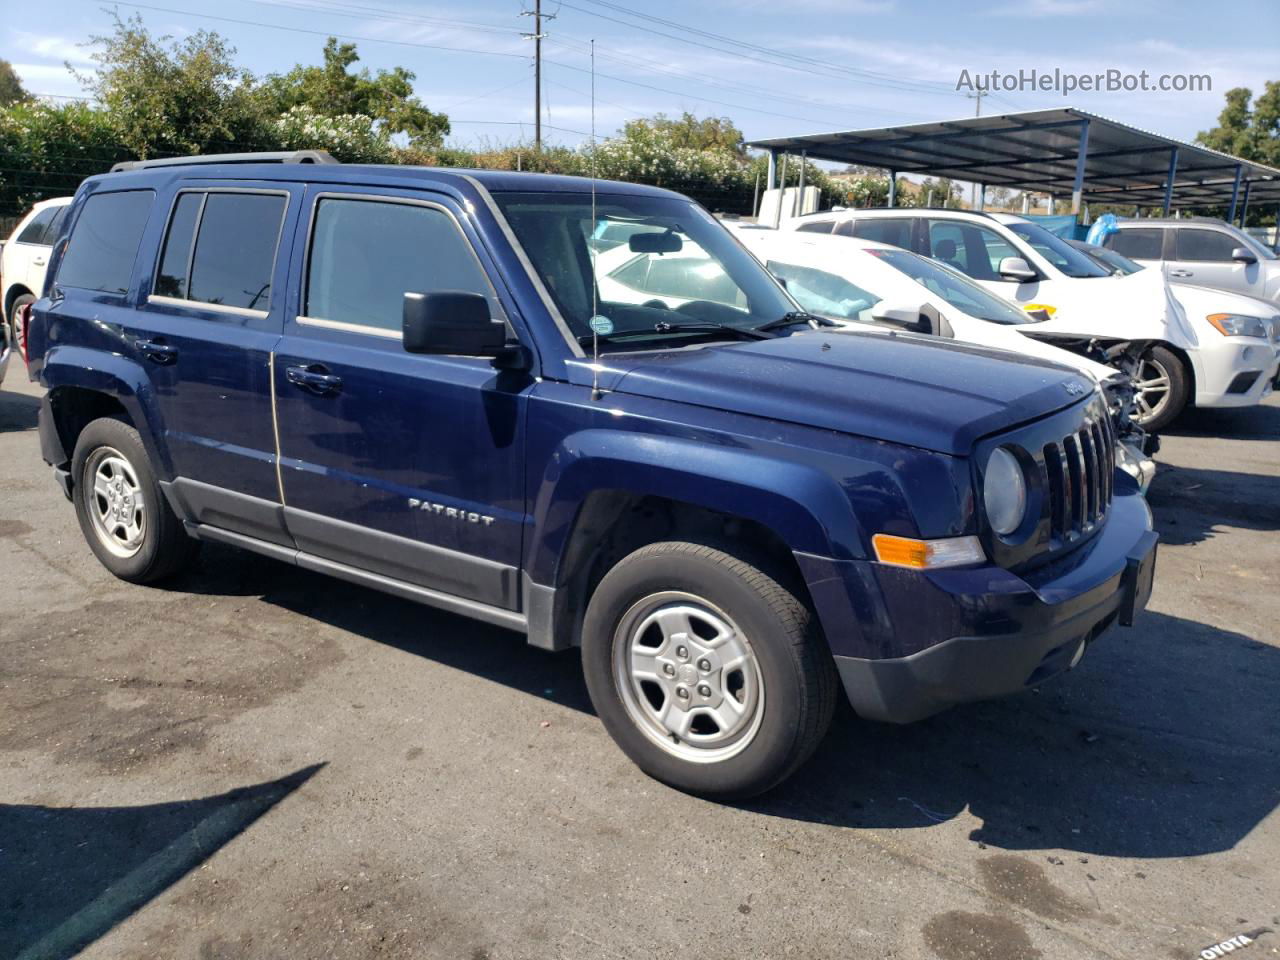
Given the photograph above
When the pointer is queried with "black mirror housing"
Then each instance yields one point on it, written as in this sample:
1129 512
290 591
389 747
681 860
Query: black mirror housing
452 322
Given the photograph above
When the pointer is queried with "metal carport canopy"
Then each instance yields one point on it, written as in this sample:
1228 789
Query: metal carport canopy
1063 152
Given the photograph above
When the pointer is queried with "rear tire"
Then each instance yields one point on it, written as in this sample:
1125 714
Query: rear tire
1164 388
16 339
710 674
122 512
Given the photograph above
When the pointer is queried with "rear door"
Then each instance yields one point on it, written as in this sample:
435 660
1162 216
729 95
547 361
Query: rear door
406 466
209 317
28 256
1202 255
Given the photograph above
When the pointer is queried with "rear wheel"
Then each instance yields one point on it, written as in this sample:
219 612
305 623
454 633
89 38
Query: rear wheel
1163 389
122 512
708 672
16 336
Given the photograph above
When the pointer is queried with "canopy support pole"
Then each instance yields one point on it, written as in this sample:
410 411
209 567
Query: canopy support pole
1168 180
771 178
1244 206
1235 193
982 196
893 188
1077 189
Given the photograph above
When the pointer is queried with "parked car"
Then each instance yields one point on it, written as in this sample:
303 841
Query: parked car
1238 363
1201 251
1087 307
382 374
861 282
24 258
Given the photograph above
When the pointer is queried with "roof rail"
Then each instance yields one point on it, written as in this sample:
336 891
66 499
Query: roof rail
278 156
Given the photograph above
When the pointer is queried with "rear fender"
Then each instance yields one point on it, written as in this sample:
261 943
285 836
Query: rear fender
72 367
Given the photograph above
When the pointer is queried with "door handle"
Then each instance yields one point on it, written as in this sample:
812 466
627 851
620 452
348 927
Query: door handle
1181 273
157 351
38 261
314 379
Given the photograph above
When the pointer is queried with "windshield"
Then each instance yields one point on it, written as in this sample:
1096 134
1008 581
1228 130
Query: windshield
824 293
953 287
1257 246
658 262
1057 251
1117 263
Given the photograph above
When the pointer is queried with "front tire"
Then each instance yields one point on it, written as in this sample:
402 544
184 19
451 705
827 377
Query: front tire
122 512
709 673
1164 388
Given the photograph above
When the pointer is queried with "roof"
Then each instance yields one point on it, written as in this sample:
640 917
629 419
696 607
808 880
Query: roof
495 181
1036 151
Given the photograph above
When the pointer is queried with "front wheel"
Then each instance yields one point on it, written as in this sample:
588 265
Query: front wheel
708 672
1163 389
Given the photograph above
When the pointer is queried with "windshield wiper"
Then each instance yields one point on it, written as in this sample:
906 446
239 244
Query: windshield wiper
699 326
794 317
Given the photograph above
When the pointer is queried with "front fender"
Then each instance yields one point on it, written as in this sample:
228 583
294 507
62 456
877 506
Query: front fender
805 507
98 371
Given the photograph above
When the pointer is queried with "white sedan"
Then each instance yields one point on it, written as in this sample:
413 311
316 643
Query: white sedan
859 282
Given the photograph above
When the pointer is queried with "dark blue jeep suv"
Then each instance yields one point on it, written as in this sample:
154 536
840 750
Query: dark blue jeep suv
582 411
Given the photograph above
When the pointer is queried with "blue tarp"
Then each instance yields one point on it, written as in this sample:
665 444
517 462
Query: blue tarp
1062 226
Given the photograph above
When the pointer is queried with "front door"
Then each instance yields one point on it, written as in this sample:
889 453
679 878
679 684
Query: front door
402 465
1203 256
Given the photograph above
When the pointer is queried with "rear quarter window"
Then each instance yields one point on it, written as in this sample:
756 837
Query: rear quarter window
104 241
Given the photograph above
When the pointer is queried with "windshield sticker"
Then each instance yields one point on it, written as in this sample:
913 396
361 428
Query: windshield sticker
601 325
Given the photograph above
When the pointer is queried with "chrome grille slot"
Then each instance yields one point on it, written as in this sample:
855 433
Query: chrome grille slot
1078 471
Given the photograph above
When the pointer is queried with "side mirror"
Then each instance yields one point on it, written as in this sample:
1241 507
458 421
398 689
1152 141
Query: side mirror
1243 255
1017 269
908 317
452 322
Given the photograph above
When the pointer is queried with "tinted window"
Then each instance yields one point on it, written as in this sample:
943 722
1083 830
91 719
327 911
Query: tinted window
236 249
34 232
1137 244
171 281
1203 245
55 226
896 232
1058 252
104 241
815 226
366 255
974 251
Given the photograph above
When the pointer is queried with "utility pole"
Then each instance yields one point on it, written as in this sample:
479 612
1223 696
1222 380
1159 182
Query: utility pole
536 37
977 95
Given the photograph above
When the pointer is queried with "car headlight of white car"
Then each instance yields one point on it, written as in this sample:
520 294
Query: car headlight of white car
1237 325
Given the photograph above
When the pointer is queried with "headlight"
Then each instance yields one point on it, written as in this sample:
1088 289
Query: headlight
1235 325
1004 492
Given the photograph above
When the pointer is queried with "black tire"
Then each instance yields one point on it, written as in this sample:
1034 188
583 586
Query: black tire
1165 363
14 309
163 546
797 677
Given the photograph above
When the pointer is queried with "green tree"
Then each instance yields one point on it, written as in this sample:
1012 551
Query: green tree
945 192
689 132
1248 130
11 90
167 96
333 90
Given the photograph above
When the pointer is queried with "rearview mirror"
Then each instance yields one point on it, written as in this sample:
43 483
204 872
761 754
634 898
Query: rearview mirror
1017 269
452 322
1243 255
665 242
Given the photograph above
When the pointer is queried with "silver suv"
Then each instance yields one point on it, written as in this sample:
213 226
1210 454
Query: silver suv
1201 251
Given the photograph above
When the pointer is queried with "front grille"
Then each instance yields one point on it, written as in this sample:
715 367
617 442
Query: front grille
1077 474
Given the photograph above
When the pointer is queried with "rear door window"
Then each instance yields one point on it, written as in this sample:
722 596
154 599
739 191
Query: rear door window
1137 244
37 230
1204 245
104 241
885 230
235 250
367 254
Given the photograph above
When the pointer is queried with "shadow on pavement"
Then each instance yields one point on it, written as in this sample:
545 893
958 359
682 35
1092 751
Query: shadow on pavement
1188 503
17 411
1161 744
69 875
1259 422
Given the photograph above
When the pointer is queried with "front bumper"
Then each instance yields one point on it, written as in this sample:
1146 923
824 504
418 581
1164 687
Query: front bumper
1216 370
921 642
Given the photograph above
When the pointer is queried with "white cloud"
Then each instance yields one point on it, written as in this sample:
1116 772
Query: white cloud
1048 8
51 47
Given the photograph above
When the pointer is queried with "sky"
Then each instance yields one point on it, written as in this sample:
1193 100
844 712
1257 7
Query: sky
776 68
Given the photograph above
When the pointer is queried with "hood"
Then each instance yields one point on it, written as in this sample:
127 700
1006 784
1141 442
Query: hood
937 395
1140 306
1199 302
